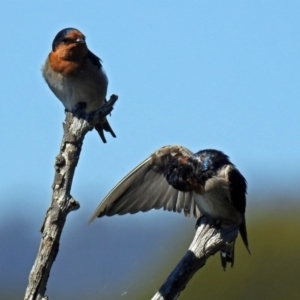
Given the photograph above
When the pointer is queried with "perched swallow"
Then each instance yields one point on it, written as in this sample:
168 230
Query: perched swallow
175 179
76 76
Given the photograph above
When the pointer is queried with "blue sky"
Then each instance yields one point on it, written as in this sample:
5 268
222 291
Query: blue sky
203 74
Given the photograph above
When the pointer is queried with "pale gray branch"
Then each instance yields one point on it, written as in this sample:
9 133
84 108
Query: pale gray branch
62 202
208 240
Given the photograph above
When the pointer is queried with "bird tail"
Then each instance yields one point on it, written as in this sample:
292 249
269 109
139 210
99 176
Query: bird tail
227 254
243 233
101 126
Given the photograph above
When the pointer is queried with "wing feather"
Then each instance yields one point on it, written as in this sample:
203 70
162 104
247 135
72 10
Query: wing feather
238 190
180 202
146 188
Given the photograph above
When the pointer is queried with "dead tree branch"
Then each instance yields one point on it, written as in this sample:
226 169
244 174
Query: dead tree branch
208 240
62 203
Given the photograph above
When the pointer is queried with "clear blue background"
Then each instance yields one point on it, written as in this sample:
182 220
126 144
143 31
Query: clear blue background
203 74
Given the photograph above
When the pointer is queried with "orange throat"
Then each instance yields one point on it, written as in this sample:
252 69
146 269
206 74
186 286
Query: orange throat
198 189
64 67
67 59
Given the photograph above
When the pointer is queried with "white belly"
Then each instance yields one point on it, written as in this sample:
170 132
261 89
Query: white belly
215 202
85 87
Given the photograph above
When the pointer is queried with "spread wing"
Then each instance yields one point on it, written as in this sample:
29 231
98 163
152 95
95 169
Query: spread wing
146 188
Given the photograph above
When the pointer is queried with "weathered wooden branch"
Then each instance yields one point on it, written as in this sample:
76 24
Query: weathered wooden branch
208 240
75 129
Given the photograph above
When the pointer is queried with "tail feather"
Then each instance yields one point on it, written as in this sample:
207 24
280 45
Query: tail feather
227 255
243 233
227 252
101 126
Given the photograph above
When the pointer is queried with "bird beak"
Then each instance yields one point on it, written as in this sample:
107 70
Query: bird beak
80 40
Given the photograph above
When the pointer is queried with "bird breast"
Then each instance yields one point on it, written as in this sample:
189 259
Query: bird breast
215 201
88 85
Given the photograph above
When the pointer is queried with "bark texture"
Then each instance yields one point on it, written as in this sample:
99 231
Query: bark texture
76 126
208 240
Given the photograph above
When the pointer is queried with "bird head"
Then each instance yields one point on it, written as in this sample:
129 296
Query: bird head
69 44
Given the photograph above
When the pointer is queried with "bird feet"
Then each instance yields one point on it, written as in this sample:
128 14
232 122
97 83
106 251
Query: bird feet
104 110
97 119
98 115
80 110
213 222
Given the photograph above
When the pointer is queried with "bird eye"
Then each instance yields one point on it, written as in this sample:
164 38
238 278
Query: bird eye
66 41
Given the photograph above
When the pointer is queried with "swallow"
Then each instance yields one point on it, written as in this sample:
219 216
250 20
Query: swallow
76 77
175 179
